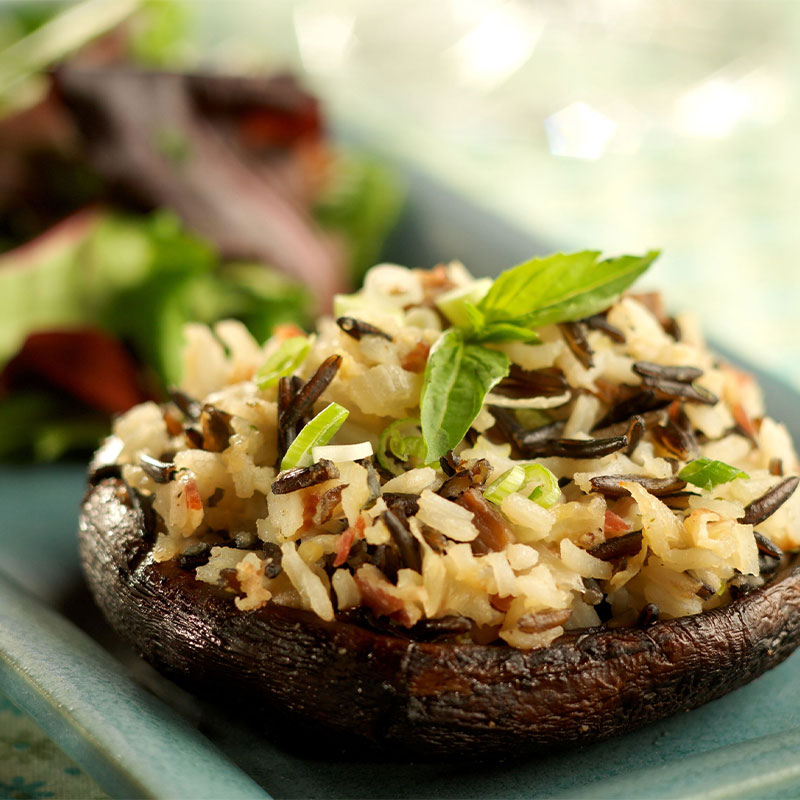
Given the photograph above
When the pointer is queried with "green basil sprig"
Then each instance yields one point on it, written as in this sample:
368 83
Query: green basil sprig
461 371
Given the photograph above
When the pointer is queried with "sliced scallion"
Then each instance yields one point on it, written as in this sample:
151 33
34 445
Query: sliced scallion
402 445
707 473
547 491
285 360
509 482
317 432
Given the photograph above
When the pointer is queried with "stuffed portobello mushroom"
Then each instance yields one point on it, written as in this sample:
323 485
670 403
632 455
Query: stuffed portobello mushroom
463 516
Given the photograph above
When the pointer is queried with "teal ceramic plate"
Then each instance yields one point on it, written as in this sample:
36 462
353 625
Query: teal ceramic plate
86 690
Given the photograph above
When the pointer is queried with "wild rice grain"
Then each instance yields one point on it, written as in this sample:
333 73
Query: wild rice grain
767 546
302 477
598 322
356 329
543 620
575 336
609 485
769 503
189 407
634 433
647 369
407 545
649 616
195 555
625 546
303 401
575 448
159 471
274 554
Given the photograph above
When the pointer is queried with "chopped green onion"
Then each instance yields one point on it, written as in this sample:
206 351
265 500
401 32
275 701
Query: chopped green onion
402 447
707 473
509 482
547 492
453 304
318 432
285 360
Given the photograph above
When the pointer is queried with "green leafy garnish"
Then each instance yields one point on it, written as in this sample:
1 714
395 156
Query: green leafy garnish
285 360
707 473
559 288
458 376
461 371
319 431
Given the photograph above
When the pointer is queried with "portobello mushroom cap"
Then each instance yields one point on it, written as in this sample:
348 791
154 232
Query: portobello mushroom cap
434 700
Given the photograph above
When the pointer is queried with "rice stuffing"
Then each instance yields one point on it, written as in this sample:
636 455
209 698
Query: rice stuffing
616 471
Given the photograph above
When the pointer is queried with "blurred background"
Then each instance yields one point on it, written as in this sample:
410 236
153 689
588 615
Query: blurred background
157 174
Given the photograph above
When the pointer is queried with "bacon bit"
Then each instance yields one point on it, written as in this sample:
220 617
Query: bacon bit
493 531
287 330
310 502
376 592
416 358
501 603
744 422
614 524
345 541
193 500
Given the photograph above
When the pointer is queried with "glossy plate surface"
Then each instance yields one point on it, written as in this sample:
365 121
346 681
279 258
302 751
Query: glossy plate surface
85 689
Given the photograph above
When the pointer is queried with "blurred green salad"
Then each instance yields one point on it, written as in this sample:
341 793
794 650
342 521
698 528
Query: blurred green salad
135 199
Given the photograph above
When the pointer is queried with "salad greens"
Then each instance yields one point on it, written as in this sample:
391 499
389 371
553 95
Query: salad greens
707 473
138 279
461 370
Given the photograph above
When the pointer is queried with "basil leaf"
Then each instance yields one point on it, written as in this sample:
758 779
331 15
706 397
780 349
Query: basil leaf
560 287
707 474
458 377
504 332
